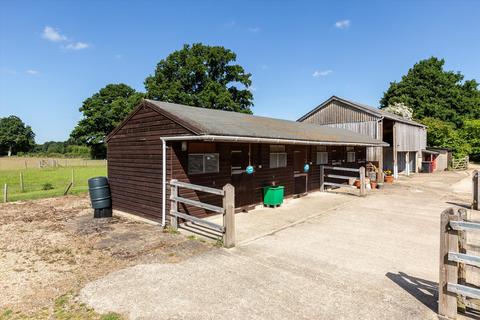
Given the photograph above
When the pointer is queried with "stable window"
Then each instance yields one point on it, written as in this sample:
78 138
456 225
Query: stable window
350 156
278 156
203 163
322 157
278 160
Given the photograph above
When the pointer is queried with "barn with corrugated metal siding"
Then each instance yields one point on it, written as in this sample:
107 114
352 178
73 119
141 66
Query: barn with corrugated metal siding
161 141
406 138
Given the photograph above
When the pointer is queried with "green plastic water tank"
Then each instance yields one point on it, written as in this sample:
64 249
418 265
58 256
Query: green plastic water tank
273 195
99 190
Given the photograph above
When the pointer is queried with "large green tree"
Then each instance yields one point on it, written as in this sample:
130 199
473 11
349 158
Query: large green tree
202 76
434 92
102 112
15 136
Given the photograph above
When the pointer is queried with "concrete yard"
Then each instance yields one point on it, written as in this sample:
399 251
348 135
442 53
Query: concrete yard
324 256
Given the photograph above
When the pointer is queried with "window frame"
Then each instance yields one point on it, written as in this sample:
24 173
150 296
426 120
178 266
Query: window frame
204 155
318 157
354 156
277 160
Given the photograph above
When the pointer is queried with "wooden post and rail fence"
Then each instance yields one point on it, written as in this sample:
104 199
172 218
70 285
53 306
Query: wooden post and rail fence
454 291
227 230
338 175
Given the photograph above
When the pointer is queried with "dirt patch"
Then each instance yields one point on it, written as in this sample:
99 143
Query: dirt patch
52 246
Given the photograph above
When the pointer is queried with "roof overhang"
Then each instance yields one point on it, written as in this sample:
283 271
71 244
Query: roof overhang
218 138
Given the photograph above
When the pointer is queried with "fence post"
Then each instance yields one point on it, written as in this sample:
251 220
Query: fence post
476 190
173 205
362 182
447 301
229 216
322 178
73 177
5 193
22 189
462 248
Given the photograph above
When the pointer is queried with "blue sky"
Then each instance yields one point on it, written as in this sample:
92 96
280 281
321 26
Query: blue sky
55 54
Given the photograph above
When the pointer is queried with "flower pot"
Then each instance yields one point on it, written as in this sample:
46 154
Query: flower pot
389 179
357 184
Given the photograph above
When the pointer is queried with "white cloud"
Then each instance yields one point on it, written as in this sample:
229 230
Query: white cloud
254 29
53 35
77 46
32 72
342 24
323 73
230 24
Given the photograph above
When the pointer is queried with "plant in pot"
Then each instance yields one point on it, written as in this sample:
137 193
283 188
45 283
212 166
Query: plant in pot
388 176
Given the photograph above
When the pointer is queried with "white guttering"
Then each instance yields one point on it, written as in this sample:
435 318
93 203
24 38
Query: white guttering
238 139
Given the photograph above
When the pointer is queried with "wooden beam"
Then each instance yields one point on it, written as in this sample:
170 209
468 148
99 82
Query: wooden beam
476 190
189 217
229 216
363 191
180 184
341 169
447 300
173 206
322 178
199 204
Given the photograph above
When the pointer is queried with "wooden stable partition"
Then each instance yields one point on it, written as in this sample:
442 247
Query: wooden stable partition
476 190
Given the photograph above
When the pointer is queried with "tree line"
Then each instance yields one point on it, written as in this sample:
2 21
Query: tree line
208 77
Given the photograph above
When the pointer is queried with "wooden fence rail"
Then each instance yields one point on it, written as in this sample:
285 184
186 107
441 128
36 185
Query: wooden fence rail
338 175
460 164
453 289
227 230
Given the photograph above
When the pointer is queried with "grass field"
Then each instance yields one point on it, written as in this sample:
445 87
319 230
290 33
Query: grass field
48 182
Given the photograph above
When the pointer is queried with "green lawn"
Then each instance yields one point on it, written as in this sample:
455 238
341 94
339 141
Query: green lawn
35 180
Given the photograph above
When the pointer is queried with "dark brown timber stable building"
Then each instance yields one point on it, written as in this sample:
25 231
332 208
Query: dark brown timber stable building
161 141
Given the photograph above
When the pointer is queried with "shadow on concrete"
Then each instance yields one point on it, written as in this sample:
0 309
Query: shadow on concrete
423 290
201 230
459 204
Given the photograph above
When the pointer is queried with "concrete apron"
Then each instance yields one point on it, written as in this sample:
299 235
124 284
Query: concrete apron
264 221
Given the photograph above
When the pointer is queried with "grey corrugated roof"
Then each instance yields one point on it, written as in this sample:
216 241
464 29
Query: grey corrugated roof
372 110
225 123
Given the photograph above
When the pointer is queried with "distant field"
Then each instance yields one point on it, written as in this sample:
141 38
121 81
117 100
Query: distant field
17 163
35 180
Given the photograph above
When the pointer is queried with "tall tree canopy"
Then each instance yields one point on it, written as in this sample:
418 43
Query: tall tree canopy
442 100
15 136
103 111
433 92
202 76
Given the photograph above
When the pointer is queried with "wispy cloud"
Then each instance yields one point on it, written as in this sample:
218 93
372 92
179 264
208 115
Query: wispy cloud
342 24
77 46
254 29
321 73
32 72
51 34
230 24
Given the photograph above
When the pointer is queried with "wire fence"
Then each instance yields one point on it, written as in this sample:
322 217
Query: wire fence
47 181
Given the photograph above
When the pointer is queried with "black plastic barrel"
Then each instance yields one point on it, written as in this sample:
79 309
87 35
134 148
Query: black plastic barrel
100 196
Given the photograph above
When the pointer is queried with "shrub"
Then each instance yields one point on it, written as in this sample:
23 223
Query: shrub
47 186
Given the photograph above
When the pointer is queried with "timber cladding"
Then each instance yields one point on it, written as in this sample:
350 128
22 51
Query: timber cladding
134 154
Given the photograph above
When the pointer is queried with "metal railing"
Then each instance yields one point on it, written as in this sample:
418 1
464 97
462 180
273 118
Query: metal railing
338 175
227 230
